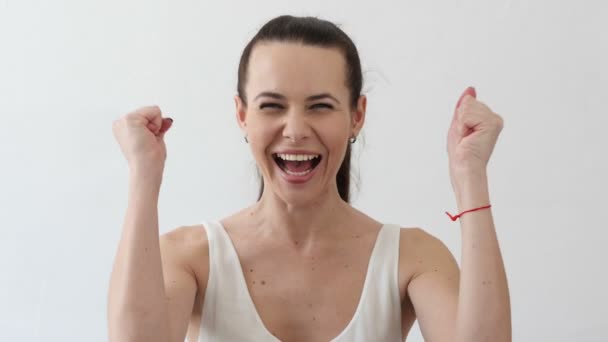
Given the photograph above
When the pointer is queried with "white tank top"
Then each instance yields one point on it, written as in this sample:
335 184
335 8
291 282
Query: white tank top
229 314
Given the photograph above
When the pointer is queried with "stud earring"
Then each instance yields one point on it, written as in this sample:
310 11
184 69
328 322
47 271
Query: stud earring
247 141
353 139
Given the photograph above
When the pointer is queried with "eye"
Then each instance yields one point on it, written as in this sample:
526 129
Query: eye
270 105
322 105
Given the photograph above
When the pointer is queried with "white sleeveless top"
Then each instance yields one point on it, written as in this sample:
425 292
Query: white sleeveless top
229 314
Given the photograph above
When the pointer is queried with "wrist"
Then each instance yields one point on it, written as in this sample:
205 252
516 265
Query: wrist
146 173
471 191
146 182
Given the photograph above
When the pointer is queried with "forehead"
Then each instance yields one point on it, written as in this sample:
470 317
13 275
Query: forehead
295 69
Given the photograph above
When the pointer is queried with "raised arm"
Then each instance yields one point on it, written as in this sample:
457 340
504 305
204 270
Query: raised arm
151 290
474 305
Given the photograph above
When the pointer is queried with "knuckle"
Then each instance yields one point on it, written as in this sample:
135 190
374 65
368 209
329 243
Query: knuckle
132 115
500 122
467 106
154 109
462 110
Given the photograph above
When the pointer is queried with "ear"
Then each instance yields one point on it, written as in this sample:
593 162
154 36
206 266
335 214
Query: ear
358 116
241 113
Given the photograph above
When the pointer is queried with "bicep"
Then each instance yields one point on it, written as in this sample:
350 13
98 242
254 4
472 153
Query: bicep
180 282
433 290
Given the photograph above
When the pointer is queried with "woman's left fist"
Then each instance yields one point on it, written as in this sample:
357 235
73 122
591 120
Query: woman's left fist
472 135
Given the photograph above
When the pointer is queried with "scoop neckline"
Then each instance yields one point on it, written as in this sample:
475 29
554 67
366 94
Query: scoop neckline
253 308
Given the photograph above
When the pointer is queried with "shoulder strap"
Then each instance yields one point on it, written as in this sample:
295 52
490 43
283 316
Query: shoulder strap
379 317
228 310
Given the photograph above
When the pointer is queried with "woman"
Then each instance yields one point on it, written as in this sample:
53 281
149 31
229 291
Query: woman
301 264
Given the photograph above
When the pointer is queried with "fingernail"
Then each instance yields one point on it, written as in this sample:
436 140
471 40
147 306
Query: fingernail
474 91
170 119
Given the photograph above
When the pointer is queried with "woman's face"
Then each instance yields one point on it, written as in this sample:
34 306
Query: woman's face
298 107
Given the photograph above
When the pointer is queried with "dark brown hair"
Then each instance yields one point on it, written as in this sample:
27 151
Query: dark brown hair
315 32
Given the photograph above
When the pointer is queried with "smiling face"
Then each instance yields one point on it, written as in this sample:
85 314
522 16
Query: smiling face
298 108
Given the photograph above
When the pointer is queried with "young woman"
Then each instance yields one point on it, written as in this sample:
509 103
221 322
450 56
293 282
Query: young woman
301 264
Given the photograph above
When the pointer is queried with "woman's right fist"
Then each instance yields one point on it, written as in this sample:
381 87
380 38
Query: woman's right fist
140 135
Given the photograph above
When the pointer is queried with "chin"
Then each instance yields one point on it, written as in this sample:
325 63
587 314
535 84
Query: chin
293 197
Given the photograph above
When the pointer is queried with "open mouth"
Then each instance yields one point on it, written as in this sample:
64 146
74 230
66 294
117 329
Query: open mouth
297 165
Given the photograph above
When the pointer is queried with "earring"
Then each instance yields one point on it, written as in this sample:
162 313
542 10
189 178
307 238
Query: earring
247 141
353 139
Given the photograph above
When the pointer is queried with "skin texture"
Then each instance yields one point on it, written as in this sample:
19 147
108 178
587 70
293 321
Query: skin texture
300 244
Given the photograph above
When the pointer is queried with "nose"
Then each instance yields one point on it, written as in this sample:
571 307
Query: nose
296 127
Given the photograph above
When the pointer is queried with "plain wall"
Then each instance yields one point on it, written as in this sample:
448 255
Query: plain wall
69 68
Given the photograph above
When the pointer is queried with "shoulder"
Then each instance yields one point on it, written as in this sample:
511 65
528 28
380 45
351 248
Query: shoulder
420 252
187 235
190 245
417 240
186 239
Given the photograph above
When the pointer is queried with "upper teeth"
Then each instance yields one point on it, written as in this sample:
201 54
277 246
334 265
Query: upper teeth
297 157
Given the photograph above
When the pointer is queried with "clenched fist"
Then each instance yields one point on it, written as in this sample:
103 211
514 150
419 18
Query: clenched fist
140 135
472 135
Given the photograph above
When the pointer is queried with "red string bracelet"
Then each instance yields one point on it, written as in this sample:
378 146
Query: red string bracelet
454 218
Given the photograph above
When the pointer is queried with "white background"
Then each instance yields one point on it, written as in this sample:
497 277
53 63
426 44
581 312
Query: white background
69 68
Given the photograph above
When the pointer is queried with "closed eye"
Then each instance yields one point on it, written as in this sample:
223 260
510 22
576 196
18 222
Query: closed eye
271 105
326 105
276 105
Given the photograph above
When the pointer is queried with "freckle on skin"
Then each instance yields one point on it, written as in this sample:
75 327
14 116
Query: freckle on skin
263 282
346 266
314 318
251 270
296 242
254 281
357 236
435 270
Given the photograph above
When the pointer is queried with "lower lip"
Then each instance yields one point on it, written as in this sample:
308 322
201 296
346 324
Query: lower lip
297 179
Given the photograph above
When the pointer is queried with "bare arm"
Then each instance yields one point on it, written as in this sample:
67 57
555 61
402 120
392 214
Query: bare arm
143 303
484 310
473 305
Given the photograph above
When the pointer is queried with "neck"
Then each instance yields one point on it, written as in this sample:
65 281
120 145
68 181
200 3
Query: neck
301 223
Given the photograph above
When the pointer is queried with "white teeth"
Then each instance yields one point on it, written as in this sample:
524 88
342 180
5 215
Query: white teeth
297 157
298 173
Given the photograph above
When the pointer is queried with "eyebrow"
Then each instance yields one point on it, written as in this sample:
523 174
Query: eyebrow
282 97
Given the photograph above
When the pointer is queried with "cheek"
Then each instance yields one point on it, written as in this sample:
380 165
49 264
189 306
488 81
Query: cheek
335 132
260 132
261 139
336 142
